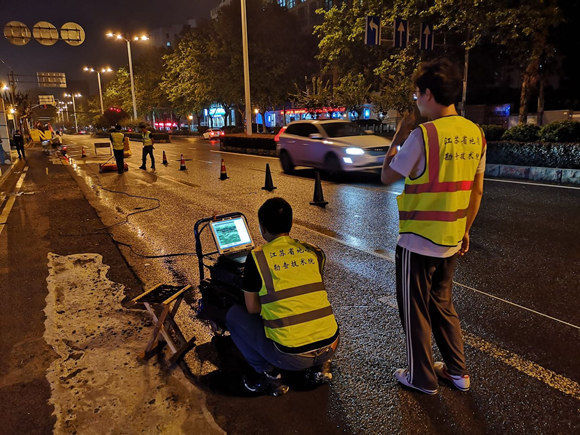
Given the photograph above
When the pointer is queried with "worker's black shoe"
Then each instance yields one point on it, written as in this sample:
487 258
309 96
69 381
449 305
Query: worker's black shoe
143 167
268 382
318 375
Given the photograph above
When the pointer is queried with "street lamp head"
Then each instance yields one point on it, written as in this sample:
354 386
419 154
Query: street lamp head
86 68
119 36
66 94
77 95
5 87
106 69
109 34
190 117
144 38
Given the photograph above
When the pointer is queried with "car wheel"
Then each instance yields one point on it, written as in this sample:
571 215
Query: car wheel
286 162
332 165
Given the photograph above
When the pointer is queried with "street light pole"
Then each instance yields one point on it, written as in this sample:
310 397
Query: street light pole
100 92
246 69
119 36
75 114
132 81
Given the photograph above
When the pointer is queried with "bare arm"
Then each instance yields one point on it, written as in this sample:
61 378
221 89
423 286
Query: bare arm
252 302
472 209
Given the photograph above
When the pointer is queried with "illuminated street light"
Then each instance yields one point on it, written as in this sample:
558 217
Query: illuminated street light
103 70
119 36
72 97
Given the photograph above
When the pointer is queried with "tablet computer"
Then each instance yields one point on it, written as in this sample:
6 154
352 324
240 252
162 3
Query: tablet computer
231 235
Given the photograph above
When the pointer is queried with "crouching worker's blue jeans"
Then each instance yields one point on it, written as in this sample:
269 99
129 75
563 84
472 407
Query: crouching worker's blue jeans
247 331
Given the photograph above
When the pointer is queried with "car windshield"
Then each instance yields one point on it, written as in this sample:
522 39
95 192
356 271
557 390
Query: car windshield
341 129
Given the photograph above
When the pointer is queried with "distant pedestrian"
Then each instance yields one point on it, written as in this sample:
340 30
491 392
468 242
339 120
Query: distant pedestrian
147 147
443 162
19 143
117 140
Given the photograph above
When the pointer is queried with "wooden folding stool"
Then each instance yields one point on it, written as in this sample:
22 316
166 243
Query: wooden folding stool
166 298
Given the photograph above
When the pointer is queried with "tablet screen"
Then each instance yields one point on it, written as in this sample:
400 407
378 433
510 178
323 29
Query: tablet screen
231 233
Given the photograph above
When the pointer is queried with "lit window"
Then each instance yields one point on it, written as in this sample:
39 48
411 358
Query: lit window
282 3
168 44
291 3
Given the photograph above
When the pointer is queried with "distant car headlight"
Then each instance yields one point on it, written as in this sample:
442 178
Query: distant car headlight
355 151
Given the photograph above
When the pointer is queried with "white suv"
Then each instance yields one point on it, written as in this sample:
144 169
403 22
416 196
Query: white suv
332 145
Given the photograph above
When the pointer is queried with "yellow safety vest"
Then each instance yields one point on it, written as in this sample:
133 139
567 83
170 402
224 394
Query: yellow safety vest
117 139
147 139
295 307
434 205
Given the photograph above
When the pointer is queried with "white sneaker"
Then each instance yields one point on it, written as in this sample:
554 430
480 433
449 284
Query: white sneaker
460 382
401 375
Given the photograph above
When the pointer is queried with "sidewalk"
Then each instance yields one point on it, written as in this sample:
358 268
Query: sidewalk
69 385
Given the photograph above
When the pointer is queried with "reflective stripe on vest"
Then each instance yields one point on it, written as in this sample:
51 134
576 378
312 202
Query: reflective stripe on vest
295 307
147 139
434 205
117 139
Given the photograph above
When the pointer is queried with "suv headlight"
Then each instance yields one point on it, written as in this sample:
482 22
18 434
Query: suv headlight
355 151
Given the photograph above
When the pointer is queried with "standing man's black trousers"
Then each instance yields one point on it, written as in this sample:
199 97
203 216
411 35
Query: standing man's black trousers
148 150
120 159
20 150
424 298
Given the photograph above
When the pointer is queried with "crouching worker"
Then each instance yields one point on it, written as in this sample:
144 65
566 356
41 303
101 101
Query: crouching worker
288 322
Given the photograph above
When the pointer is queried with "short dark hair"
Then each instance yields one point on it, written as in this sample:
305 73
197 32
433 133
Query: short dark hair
117 127
275 216
442 78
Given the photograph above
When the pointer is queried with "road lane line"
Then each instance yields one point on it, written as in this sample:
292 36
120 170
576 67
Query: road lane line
392 260
11 200
532 184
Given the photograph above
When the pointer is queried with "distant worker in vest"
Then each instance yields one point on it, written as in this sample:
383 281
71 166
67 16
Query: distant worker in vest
117 139
287 322
19 144
147 147
443 162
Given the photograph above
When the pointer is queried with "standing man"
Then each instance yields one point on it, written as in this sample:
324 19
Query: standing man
147 147
19 143
443 162
117 140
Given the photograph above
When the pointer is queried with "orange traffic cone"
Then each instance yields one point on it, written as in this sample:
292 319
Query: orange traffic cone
223 173
83 153
182 164
165 159
318 198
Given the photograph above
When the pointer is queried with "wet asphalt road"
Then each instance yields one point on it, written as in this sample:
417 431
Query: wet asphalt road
525 250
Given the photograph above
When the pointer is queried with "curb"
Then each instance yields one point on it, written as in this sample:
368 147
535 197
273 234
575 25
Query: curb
535 173
255 151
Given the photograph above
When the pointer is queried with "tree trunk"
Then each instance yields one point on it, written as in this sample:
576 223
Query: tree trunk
523 113
540 115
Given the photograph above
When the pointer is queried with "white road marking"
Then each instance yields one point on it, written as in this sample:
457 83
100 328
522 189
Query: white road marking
11 200
531 184
548 377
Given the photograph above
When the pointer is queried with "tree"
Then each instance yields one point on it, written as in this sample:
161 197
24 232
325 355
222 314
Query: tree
118 91
206 66
526 30
352 92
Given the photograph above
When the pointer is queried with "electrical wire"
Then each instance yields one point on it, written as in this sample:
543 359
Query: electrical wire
126 221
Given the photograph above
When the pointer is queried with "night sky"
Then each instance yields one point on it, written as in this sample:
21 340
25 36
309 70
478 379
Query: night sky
96 17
